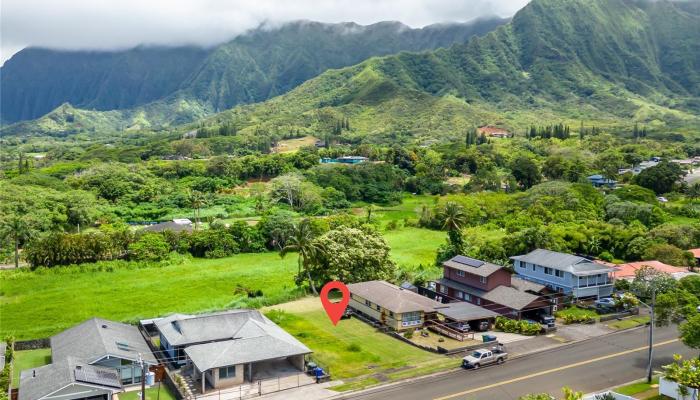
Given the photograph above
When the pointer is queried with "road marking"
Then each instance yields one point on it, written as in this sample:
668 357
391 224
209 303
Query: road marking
549 371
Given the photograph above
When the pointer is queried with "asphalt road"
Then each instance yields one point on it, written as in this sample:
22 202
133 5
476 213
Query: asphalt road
587 366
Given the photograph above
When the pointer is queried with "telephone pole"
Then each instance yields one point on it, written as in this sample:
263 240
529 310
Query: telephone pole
651 335
143 378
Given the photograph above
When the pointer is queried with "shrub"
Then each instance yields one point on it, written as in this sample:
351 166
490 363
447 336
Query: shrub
409 333
149 247
354 348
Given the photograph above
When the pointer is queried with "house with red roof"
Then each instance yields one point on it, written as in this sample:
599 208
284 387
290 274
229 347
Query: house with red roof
627 271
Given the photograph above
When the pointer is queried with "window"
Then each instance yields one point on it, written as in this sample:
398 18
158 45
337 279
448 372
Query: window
534 267
460 295
483 279
478 301
460 273
410 318
558 273
227 372
547 270
368 303
467 297
379 308
391 314
443 289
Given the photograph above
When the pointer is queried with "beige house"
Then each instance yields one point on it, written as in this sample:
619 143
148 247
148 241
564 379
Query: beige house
392 306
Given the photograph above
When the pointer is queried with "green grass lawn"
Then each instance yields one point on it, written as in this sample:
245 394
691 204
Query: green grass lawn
27 359
151 394
352 349
41 303
413 246
641 390
628 322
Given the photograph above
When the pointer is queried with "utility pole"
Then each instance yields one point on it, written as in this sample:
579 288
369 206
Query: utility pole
143 378
651 335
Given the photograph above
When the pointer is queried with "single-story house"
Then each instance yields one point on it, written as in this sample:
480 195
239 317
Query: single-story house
493 131
492 287
344 160
176 225
69 379
601 181
565 273
627 271
228 348
96 347
392 306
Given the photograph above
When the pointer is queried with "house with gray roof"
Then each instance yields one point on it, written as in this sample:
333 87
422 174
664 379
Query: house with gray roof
228 348
492 287
90 360
392 306
565 273
69 379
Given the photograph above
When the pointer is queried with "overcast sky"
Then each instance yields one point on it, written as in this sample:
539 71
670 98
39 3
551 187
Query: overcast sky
111 24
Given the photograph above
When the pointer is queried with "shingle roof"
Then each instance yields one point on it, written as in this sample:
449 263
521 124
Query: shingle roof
510 297
526 286
393 298
96 338
229 338
563 262
463 311
472 266
53 377
181 329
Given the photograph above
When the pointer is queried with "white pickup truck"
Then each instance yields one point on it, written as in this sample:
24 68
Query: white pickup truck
482 357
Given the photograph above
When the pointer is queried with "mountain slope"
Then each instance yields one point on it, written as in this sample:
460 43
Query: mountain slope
608 61
253 67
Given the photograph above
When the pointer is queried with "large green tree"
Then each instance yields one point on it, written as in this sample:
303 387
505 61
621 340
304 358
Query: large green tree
352 255
662 178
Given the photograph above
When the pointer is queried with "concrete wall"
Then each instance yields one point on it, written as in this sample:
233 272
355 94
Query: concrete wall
219 383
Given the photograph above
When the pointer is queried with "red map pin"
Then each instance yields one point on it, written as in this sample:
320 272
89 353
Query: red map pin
335 311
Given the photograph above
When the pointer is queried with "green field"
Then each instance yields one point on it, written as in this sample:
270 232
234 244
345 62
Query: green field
41 303
151 394
27 359
352 349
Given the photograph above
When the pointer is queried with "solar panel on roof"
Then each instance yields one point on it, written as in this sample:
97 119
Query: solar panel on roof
97 376
468 261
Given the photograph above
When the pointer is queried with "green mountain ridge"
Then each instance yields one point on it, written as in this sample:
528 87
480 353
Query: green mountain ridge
602 62
155 81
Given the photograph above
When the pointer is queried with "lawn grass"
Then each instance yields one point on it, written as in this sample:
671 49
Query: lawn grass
352 349
41 303
151 394
414 246
28 359
637 387
37 304
628 323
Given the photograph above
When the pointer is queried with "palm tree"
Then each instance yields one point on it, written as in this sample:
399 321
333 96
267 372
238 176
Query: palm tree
197 201
453 219
302 242
16 228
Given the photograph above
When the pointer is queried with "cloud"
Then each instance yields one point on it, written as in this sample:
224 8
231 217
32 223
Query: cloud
115 24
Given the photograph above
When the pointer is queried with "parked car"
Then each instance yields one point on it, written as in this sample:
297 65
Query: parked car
484 357
546 320
662 199
606 302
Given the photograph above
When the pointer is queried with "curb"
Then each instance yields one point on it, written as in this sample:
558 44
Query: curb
388 386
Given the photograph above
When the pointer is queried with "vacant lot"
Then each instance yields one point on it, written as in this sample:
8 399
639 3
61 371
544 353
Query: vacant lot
42 303
352 349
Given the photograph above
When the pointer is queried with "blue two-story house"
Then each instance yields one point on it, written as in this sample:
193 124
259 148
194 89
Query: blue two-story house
565 273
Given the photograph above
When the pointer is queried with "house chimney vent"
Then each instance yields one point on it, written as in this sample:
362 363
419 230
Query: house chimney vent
104 326
33 373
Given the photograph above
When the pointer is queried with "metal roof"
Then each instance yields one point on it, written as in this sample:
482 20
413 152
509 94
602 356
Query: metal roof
576 265
463 311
